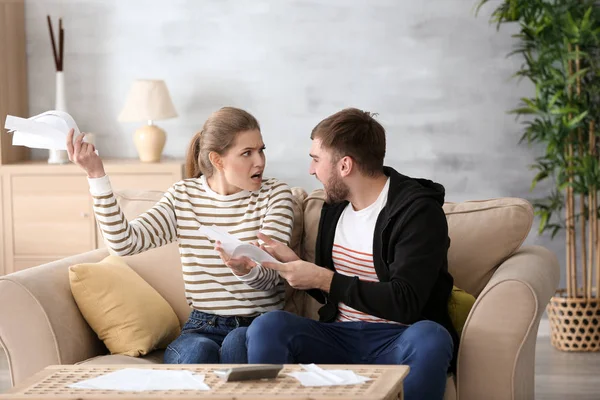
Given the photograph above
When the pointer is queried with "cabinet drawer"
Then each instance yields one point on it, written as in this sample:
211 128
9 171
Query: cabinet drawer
52 215
160 182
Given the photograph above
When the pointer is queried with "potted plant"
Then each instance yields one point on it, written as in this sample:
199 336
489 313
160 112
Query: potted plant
558 41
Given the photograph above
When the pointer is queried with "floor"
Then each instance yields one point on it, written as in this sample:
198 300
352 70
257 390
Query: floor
562 375
559 375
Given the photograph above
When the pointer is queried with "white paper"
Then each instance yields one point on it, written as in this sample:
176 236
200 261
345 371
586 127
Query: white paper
235 247
43 131
316 376
139 379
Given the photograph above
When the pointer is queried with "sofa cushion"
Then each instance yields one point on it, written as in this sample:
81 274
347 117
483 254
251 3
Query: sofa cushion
482 235
126 313
459 307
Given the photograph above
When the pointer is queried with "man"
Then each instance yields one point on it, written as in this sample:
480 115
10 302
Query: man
381 266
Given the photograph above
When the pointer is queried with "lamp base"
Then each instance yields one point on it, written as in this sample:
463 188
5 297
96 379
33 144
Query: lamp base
149 141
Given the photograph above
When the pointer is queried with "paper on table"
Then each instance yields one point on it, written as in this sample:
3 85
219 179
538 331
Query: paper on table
43 131
235 247
139 379
316 376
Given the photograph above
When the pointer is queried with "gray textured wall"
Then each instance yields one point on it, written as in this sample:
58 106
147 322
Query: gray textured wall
436 74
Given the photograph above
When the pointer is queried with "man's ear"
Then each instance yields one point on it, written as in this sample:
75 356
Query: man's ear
216 160
346 165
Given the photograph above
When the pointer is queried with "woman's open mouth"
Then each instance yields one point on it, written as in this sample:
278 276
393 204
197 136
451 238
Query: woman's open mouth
257 177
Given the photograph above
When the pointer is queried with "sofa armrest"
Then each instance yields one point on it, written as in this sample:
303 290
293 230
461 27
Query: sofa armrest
496 358
40 323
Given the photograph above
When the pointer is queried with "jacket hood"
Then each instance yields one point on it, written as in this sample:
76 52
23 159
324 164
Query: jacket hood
404 190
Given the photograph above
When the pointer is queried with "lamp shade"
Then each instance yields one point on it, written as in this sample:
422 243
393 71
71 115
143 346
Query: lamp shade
148 100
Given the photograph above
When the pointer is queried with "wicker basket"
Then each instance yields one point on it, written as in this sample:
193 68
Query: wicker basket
574 323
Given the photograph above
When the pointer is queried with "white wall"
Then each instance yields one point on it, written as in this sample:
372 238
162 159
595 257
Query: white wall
437 75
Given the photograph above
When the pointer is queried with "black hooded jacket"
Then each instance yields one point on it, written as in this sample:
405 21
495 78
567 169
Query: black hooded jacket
410 255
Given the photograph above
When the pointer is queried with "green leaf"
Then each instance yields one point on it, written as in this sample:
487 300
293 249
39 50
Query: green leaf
573 78
555 230
571 25
586 19
539 177
522 110
478 7
543 222
554 98
573 122
563 111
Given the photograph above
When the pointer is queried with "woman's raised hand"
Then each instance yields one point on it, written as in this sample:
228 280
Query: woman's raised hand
83 154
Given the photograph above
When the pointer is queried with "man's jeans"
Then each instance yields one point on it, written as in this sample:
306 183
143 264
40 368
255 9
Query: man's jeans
279 337
210 339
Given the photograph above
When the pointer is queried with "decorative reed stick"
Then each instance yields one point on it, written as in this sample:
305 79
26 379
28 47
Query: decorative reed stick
57 52
61 41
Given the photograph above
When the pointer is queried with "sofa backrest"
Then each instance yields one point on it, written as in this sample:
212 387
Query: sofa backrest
482 235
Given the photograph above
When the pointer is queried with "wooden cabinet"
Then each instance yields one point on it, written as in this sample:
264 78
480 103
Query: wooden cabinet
47 209
50 216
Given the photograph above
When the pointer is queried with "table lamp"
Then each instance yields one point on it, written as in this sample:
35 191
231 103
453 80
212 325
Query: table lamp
148 100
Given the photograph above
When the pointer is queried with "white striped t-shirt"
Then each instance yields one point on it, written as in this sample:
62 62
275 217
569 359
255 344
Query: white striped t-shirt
210 286
352 251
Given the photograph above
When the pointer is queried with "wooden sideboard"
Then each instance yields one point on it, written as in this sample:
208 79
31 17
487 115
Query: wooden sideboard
46 211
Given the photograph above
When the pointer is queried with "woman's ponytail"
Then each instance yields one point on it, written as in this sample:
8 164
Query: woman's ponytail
192 160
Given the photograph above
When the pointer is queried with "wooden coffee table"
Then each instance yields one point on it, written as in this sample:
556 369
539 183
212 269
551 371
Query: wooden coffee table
52 383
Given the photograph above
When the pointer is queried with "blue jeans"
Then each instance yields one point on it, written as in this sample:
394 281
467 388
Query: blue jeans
210 339
279 337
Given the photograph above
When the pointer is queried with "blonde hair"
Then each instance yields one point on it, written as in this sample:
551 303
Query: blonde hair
218 134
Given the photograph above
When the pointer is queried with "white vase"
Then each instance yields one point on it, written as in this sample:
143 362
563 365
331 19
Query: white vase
59 156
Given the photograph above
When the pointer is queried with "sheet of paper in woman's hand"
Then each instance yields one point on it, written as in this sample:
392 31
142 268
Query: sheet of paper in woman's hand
43 131
235 247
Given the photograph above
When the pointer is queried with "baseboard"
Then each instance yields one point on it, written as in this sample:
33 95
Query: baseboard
544 329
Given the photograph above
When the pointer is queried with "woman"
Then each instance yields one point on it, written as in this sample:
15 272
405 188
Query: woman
225 161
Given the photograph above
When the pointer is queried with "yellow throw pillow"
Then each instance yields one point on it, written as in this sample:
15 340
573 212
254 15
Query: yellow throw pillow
459 307
127 314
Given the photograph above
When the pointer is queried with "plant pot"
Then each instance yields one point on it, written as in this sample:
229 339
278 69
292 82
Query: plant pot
574 323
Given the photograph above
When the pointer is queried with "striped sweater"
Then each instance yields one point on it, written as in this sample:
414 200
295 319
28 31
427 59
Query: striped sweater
210 286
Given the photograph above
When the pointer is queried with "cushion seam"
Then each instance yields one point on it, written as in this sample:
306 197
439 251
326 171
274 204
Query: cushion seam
452 212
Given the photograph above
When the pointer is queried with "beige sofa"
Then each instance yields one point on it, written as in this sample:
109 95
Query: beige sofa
41 325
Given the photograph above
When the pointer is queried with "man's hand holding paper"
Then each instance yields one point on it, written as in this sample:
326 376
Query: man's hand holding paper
242 257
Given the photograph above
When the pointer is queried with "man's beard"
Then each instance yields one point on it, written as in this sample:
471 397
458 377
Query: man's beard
336 190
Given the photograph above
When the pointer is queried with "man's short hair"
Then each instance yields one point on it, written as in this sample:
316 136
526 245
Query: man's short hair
354 133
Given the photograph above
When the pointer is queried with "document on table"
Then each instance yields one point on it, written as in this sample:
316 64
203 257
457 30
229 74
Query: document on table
235 247
43 131
141 379
314 375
